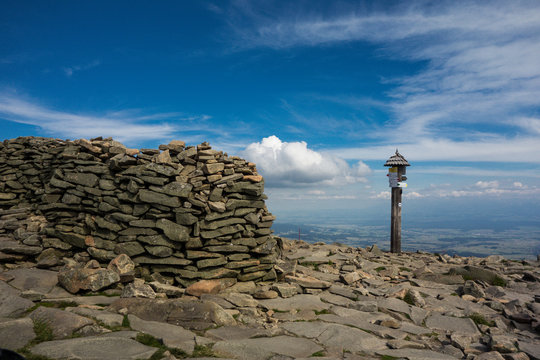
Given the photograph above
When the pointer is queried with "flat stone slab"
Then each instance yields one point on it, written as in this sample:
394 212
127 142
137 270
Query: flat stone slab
416 354
416 314
94 348
263 348
336 336
190 314
235 333
87 300
531 349
11 304
106 317
453 324
37 280
336 299
15 334
378 330
171 335
63 323
298 302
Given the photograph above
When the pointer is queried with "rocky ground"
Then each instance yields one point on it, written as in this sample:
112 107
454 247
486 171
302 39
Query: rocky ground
332 302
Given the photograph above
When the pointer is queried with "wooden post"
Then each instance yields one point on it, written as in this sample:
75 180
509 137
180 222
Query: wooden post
396 179
395 222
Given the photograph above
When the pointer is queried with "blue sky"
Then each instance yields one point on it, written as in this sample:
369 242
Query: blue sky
317 93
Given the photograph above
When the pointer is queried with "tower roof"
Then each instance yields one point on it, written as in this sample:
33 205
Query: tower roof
397 160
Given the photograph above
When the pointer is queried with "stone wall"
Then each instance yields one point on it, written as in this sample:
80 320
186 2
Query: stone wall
187 213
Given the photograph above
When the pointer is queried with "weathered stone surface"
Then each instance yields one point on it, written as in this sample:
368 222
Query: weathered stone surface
454 324
336 336
416 354
138 289
40 281
11 304
171 335
302 302
62 323
264 348
173 231
94 348
74 280
153 197
209 286
15 334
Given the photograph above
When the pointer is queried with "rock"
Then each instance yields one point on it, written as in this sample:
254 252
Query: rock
265 348
472 288
24 330
138 289
173 231
169 290
74 280
40 281
209 286
190 314
62 323
123 266
308 282
416 354
492 355
170 335
503 344
94 347
11 304
336 336
241 300
298 302
448 323
265 294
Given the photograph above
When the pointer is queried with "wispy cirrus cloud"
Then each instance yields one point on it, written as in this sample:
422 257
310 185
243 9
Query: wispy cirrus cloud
128 126
70 70
477 91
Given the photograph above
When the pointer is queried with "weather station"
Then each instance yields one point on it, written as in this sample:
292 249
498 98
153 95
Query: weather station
396 178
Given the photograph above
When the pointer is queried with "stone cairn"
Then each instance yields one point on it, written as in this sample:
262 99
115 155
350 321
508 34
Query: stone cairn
184 213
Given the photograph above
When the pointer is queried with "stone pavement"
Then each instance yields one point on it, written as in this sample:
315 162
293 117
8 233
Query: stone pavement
332 302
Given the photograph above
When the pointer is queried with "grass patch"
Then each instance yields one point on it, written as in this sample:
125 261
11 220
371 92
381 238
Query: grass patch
100 293
125 322
203 351
43 331
479 319
380 268
403 268
59 305
321 312
408 298
29 356
498 281
149 340
318 354
389 357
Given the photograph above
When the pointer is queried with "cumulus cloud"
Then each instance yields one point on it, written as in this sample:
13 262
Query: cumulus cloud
294 164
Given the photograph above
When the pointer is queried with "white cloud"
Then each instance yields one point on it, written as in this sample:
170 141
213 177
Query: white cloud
124 126
489 149
481 74
294 164
69 71
487 184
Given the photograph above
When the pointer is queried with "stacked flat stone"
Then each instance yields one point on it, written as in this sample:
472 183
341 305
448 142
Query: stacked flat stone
187 213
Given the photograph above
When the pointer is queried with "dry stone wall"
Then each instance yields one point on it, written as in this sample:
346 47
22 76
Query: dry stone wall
186 213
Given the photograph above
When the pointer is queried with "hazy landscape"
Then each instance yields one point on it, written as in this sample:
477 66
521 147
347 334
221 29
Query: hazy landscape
518 243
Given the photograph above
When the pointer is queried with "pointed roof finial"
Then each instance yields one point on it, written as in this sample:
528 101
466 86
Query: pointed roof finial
397 160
